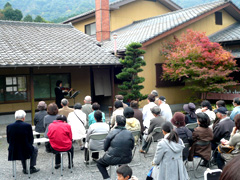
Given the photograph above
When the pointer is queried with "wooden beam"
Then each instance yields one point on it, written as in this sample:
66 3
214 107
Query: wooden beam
32 95
113 88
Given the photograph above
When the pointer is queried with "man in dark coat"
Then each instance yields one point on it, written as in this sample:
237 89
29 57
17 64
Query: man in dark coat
118 145
20 139
158 121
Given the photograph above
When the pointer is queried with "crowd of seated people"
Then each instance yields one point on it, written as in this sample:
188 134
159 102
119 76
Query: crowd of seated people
73 124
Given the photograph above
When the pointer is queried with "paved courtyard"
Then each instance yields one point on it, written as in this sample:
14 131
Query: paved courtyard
80 170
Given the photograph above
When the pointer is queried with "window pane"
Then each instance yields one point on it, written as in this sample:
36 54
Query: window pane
88 29
8 80
9 89
14 80
41 86
65 78
93 29
16 88
2 83
22 83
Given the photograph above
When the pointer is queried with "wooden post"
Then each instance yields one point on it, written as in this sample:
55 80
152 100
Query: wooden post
32 95
113 88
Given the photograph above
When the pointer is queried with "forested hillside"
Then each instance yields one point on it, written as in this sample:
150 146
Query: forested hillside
51 9
59 10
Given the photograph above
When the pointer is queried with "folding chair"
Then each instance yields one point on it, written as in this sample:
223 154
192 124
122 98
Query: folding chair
15 171
136 135
187 145
96 136
200 143
192 126
155 130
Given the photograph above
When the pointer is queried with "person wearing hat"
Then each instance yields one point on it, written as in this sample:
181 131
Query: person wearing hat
167 162
183 132
222 129
165 108
190 109
157 121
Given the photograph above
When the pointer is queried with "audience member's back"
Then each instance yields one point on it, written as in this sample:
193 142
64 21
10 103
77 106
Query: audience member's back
191 116
121 146
183 132
137 113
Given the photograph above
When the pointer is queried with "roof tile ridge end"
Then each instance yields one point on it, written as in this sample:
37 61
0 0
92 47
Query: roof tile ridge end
34 23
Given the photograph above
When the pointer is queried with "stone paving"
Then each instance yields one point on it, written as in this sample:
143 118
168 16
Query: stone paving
80 170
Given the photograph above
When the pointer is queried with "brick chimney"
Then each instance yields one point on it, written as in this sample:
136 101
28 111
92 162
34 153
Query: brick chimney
102 20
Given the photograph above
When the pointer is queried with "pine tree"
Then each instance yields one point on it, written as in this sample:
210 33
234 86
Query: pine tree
131 67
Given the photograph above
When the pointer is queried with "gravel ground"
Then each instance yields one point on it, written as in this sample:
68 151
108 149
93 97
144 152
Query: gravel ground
80 170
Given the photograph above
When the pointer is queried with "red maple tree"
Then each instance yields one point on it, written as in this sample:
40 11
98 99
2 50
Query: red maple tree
203 65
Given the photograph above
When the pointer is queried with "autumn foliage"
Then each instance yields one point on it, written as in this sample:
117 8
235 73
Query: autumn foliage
204 66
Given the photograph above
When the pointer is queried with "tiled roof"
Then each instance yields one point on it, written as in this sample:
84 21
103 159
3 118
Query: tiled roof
42 44
116 5
147 29
231 33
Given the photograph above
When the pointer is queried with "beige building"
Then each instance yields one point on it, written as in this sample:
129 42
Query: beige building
152 32
122 13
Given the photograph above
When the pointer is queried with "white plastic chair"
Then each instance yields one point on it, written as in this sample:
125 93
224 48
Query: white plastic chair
136 143
96 136
155 130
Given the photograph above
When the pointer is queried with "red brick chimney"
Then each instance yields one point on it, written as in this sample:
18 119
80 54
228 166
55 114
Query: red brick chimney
102 20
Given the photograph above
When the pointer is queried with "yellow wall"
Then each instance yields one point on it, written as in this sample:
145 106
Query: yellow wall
134 11
175 95
80 80
128 13
81 25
